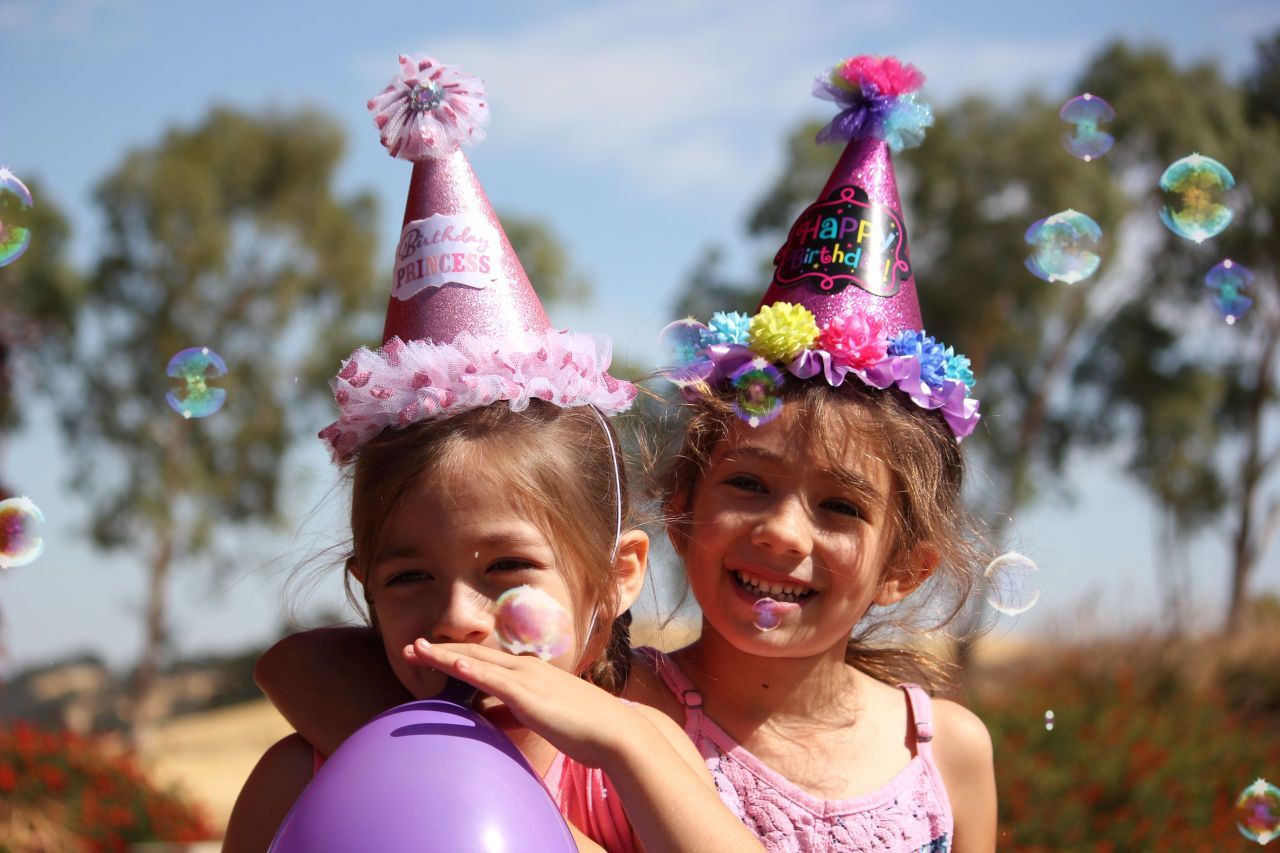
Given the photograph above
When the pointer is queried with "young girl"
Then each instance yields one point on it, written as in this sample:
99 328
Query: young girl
817 486
482 461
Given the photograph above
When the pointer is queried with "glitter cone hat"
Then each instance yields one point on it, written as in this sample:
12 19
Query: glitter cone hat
843 298
464 327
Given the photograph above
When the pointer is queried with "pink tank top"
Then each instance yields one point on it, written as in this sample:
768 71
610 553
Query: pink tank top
910 813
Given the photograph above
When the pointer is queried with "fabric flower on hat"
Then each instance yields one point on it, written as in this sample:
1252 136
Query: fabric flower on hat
429 109
931 355
958 368
857 340
781 331
728 327
877 96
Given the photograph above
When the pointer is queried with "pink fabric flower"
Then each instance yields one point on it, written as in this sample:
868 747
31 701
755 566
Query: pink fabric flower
856 340
429 109
887 74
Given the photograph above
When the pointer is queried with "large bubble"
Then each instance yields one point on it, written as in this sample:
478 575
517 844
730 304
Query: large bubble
756 385
1063 247
529 621
15 217
19 541
1258 812
1012 583
1087 141
193 394
1195 188
1228 281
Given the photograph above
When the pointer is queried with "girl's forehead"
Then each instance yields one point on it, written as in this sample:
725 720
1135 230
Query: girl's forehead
797 440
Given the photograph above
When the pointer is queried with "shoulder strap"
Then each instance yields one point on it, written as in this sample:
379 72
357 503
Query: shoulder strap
676 681
921 718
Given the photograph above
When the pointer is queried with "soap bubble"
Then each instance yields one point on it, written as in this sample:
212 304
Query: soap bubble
1012 586
19 543
1048 721
193 396
1062 247
1258 812
1228 281
529 621
1194 189
683 341
766 615
1087 141
756 384
15 217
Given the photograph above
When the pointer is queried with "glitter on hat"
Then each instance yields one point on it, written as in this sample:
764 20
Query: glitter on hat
529 621
1195 190
193 394
1087 141
1258 812
1063 247
1011 584
15 215
19 542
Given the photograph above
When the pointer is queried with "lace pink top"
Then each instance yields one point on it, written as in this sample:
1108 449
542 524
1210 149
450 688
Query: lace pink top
910 813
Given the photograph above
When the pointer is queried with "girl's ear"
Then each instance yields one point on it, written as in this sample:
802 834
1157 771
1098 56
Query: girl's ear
630 566
902 580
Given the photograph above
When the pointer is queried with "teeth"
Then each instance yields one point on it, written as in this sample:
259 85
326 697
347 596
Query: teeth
779 591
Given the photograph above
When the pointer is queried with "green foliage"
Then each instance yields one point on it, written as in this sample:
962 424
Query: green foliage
546 262
1139 758
60 791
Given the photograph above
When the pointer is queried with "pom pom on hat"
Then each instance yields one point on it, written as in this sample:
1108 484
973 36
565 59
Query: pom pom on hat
781 331
429 110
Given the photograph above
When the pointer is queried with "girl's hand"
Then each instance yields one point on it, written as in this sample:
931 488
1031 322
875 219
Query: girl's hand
578 718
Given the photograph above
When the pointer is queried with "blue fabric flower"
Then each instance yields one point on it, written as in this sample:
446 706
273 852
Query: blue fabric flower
958 368
903 126
727 327
931 355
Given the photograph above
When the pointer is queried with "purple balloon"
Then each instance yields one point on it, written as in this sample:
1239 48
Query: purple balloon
426 776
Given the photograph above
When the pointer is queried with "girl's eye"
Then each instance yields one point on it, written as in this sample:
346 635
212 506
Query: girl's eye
745 482
510 564
843 507
407 577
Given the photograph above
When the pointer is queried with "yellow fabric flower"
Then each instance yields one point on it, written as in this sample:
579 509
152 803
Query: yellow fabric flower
781 331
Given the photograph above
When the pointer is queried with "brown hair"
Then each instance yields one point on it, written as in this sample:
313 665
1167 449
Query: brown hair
925 508
559 463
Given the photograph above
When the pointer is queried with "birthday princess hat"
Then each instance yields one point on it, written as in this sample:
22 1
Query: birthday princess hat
843 296
464 327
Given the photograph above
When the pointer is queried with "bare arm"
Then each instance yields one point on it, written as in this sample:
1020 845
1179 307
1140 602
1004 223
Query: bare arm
665 789
328 682
963 752
268 794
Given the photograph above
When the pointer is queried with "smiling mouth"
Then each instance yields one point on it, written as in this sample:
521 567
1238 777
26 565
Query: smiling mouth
761 588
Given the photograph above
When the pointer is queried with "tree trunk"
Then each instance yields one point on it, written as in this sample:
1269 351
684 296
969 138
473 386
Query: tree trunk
142 704
1253 468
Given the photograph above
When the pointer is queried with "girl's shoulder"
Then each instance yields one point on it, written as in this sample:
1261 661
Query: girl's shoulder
962 752
646 685
961 739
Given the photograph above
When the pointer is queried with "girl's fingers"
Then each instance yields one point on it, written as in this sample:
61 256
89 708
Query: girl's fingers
495 657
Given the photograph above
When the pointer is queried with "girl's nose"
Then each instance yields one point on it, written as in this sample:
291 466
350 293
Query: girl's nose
466 617
785 529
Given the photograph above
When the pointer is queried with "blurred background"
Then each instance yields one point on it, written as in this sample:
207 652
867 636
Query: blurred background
206 175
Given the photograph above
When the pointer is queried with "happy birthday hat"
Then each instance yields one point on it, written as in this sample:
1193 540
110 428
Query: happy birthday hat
464 327
842 301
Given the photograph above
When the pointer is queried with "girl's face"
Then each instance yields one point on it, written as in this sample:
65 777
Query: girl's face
456 543
768 518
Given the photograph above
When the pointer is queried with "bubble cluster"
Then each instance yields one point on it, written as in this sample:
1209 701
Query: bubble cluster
529 621
19 542
193 395
1048 721
1195 188
756 388
766 614
1228 281
1087 141
1258 812
15 217
1011 583
1063 247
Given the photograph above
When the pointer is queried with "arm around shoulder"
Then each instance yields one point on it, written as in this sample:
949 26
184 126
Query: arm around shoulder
962 749
268 794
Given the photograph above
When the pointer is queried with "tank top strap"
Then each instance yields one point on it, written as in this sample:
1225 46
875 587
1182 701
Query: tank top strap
679 685
921 718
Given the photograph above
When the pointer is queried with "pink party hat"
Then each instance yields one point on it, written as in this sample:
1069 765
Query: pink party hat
464 326
847 253
842 302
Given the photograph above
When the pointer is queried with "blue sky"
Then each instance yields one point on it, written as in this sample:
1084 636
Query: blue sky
642 131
